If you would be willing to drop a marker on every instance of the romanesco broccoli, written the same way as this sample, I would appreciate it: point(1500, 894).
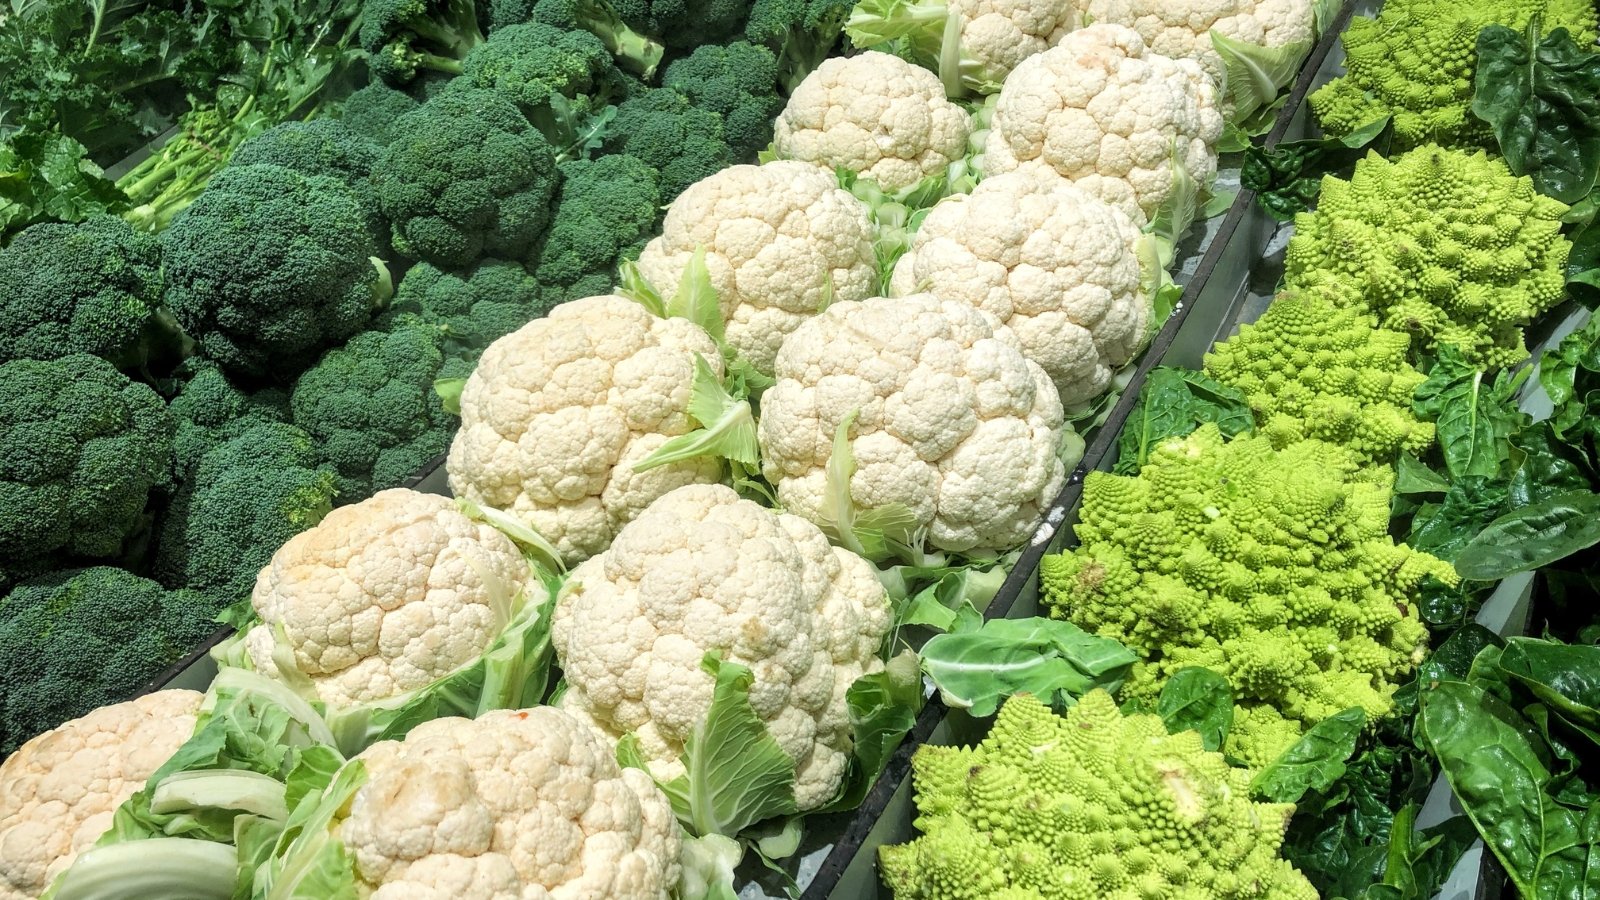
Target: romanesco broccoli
point(1311, 368)
point(1447, 246)
point(1091, 805)
point(1273, 568)
point(1416, 61)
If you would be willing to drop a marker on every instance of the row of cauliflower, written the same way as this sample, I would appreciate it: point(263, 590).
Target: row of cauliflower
point(605, 437)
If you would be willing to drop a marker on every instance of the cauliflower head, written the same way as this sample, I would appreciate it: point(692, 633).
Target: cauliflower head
point(516, 803)
point(781, 242)
point(1444, 245)
point(951, 420)
point(702, 570)
point(876, 115)
point(59, 791)
point(1053, 262)
point(1273, 568)
point(385, 597)
point(557, 414)
point(1417, 62)
point(1125, 123)
point(1093, 804)
point(1312, 369)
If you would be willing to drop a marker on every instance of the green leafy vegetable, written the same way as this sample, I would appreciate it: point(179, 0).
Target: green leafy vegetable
point(1475, 413)
point(1541, 95)
point(1053, 660)
point(1287, 176)
point(1315, 761)
point(1198, 699)
point(1532, 537)
point(1173, 403)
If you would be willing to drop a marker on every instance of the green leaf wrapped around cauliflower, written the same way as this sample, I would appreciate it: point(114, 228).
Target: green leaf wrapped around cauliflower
point(943, 418)
point(1273, 568)
point(704, 572)
point(781, 242)
point(1444, 245)
point(59, 791)
point(1251, 49)
point(875, 115)
point(558, 414)
point(1135, 128)
point(1093, 804)
point(516, 803)
point(1312, 369)
point(973, 45)
point(388, 608)
point(1057, 265)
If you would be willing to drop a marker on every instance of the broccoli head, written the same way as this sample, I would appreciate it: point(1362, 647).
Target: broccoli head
point(471, 309)
point(632, 50)
point(468, 178)
point(269, 266)
point(92, 287)
point(608, 208)
point(1273, 568)
point(327, 147)
point(802, 33)
point(210, 410)
point(247, 496)
point(737, 81)
point(74, 640)
point(81, 446)
point(1446, 246)
point(404, 37)
point(1311, 368)
point(1093, 804)
point(372, 407)
point(685, 24)
point(373, 111)
point(561, 79)
point(671, 135)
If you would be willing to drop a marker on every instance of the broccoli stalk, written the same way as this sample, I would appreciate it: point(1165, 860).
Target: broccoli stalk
point(404, 37)
point(635, 52)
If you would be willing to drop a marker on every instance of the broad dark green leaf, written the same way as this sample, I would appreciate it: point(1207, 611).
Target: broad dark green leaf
point(1198, 699)
point(1287, 177)
point(1173, 403)
point(1315, 761)
point(1565, 677)
point(1452, 660)
point(1541, 95)
point(1412, 477)
point(1447, 527)
point(1533, 537)
point(1475, 414)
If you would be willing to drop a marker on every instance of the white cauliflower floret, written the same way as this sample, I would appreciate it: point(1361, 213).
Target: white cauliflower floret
point(954, 423)
point(876, 115)
point(558, 413)
point(1054, 263)
point(997, 35)
point(1113, 117)
point(702, 570)
point(58, 792)
point(781, 241)
point(514, 804)
point(385, 597)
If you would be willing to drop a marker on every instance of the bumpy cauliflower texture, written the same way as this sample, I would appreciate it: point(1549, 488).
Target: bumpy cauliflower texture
point(952, 421)
point(1416, 62)
point(516, 803)
point(558, 413)
point(1054, 263)
point(1446, 246)
point(1273, 568)
point(702, 570)
point(997, 35)
point(781, 242)
point(385, 597)
point(1106, 112)
point(876, 115)
point(58, 793)
point(1311, 368)
point(1091, 805)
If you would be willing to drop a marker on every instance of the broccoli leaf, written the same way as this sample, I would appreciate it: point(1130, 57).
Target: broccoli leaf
point(1054, 660)
point(1199, 700)
point(47, 177)
point(1173, 403)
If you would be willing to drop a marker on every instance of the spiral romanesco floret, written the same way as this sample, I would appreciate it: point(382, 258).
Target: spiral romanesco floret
point(1416, 62)
point(1273, 568)
point(1447, 246)
point(1313, 369)
point(1093, 805)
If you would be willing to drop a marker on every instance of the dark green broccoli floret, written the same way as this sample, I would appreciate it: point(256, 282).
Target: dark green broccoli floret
point(374, 110)
point(608, 208)
point(468, 178)
point(633, 51)
point(470, 308)
point(402, 37)
point(685, 23)
point(738, 82)
point(74, 640)
point(321, 147)
point(562, 79)
point(269, 266)
point(92, 287)
point(81, 446)
point(247, 497)
point(210, 410)
point(801, 32)
point(372, 408)
point(668, 133)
